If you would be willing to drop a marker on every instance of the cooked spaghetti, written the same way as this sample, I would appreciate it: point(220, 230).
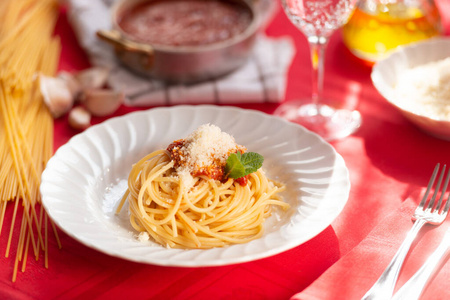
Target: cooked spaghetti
point(182, 197)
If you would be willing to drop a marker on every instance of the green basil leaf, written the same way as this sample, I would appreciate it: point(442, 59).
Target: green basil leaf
point(252, 162)
point(239, 165)
point(234, 168)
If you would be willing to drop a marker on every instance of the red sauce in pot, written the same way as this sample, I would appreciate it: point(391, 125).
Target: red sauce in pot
point(185, 22)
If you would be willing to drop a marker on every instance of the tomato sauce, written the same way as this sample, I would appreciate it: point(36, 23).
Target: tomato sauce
point(242, 180)
point(213, 171)
point(185, 22)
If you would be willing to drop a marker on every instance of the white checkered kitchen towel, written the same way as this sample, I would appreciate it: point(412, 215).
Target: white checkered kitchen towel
point(261, 79)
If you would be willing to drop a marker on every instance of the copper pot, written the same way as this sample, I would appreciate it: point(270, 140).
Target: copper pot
point(184, 64)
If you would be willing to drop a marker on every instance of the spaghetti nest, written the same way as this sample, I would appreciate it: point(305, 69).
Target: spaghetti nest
point(209, 214)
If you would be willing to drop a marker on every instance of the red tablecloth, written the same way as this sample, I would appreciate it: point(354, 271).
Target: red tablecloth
point(388, 158)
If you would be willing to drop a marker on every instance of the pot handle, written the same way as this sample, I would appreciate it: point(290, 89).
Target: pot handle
point(123, 45)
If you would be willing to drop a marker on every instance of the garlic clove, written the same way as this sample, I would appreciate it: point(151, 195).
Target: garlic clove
point(79, 118)
point(72, 83)
point(93, 78)
point(102, 102)
point(56, 94)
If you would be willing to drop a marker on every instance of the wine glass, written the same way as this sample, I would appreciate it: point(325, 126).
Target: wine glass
point(318, 19)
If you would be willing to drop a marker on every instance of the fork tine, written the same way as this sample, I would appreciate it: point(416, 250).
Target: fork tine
point(430, 184)
point(447, 205)
point(436, 190)
point(444, 189)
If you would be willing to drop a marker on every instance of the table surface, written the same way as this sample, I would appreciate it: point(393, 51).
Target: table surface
point(388, 158)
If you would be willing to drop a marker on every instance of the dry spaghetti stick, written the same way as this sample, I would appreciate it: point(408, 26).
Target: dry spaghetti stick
point(13, 144)
point(27, 151)
point(11, 230)
point(56, 234)
point(16, 75)
point(19, 250)
point(16, 265)
point(22, 237)
point(26, 216)
point(2, 213)
point(46, 243)
point(28, 156)
point(14, 30)
point(24, 262)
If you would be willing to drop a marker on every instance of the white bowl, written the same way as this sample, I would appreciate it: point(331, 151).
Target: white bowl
point(385, 75)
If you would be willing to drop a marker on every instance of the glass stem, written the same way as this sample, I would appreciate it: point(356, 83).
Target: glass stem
point(317, 46)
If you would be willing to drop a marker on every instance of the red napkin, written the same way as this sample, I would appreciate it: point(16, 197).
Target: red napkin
point(357, 271)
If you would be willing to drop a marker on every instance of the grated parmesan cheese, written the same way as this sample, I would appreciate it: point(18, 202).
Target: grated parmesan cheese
point(205, 151)
point(186, 177)
point(207, 145)
point(425, 90)
point(143, 237)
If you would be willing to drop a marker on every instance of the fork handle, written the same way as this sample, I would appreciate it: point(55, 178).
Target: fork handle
point(413, 288)
point(384, 287)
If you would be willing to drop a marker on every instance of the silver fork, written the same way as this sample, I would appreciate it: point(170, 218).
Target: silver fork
point(430, 214)
point(413, 288)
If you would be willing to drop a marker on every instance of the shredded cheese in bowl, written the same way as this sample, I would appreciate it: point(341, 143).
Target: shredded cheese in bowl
point(425, 90)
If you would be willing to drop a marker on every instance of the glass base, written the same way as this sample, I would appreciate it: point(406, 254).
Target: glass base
point(329, 123)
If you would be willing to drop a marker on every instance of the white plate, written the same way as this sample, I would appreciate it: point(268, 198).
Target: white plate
point(85, 179)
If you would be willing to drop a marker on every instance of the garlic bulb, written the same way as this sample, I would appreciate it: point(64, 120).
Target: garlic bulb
point(72, 83)
point(57, 95)
point(93, 78)
point(102, 102)
point(79, 118)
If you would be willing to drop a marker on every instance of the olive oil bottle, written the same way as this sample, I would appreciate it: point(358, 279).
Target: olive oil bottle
point(378, 26)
